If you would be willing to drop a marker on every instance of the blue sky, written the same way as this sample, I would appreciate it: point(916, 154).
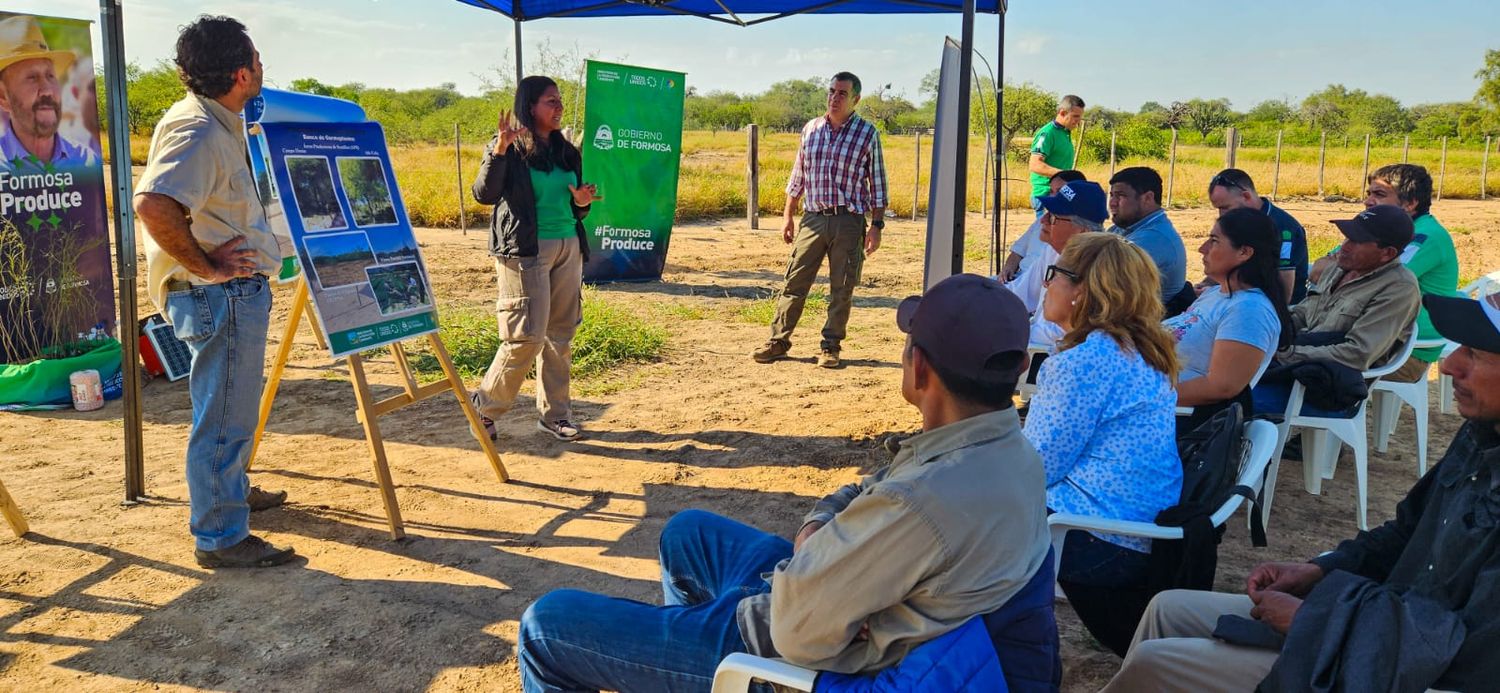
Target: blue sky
point(1118, 54)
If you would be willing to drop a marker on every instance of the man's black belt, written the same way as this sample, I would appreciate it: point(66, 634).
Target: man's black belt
point(834, 211)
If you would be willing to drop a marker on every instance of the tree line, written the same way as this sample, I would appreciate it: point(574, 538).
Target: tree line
point(429, 114)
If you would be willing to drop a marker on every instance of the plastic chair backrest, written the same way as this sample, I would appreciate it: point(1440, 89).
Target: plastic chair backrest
point(1399, 359)
point(1024, 633)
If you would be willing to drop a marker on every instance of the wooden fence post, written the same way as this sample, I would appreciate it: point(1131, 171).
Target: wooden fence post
point(1322, 157)
point(1484, 169)
point(916, 181)
point(458, 164)
point(1442, 168)
point(752, 175)
point(1171, 169)
point(1366, 175)
point(1276, 173)
point(1230, 145)
point(1406, 149)
point(1111, 153)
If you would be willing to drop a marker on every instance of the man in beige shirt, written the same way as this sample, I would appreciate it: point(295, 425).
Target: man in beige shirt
point(209, 250)
point(952, 528)
point(1357, 315)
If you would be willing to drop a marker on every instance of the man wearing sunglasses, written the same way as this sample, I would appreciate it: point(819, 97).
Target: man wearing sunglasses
point(1078, 207)
point(1027, 283)
point(1233, 189)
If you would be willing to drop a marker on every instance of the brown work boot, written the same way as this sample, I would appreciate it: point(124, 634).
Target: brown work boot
point(260, 499)
point(773, 350)
point(251, 552)
point(829, 358)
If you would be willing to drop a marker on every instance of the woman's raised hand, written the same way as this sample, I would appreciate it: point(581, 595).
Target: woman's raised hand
point(507, 131)
point(585, 195)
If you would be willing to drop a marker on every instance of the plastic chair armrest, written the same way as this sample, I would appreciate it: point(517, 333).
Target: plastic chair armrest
point(737, 670)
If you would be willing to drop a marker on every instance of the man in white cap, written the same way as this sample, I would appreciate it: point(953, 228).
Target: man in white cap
point(31, 96)
point(1410, 605)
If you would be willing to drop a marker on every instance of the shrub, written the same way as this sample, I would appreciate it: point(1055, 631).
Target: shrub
point(609, 336)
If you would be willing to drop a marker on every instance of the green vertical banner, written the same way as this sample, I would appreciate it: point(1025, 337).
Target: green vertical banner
point(632, 144)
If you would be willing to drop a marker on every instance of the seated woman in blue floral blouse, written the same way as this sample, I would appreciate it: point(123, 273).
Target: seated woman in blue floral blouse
point(1102, 417)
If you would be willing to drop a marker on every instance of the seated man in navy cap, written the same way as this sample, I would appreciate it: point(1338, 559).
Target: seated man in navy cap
point(1360, 313)
point(1408, 606)
point(951, 528)
point(1077, 207)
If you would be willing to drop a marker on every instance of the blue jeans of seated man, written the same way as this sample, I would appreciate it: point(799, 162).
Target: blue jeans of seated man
point(1271, 398)
point(578, 641)
point(224, 326)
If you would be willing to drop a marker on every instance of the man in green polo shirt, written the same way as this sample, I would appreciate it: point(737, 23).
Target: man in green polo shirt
point(1430, 255)
point(1052, 147)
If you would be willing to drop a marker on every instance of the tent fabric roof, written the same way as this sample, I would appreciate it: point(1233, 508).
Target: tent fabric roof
point(742, 12)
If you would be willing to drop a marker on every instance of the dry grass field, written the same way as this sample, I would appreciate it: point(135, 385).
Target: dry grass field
point(102, 597)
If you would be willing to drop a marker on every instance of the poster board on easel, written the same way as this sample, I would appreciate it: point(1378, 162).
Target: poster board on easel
point(360, 278)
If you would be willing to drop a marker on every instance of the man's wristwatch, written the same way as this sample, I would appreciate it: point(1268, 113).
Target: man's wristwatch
point(877, 223)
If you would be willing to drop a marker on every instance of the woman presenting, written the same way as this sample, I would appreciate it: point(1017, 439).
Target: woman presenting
point(534, 178)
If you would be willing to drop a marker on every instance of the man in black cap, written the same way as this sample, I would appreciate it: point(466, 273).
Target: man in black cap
point(953, 527)
point(1361, 312)
point(1410, 605)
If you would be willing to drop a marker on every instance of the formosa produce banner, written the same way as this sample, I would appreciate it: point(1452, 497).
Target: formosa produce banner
point(632, 128)
point(56, 292)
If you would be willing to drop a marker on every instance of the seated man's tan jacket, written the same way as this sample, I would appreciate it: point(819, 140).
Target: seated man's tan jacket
point(952, 528)
point(1375, 312)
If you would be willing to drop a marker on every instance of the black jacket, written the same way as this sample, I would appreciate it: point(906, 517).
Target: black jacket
point(1411, 604)
point(1331, 385)
point(505, 182)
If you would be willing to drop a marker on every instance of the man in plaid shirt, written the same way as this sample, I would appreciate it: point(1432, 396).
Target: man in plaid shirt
point(840, 172)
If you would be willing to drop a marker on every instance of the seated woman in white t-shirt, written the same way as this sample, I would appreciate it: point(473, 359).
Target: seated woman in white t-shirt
point(1230, 333)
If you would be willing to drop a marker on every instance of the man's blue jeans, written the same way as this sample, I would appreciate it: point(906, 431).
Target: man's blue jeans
point(224, 326)
point(579, 641)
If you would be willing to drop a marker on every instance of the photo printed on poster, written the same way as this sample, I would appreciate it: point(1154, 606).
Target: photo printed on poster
point(340, 202)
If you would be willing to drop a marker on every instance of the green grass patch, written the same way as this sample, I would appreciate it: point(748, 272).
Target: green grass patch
point(762, 311)
point(683, 311)
point(609, 336)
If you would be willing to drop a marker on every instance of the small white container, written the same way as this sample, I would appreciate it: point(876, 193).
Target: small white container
point(88, 392)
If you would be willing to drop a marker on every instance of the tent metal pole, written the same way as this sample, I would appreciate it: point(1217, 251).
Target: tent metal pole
point(519, 72)
point(111, 28)
point(996, 231)
point(961, 179)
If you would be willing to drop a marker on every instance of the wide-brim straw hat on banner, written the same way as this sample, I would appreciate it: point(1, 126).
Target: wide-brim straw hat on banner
point(21, 39)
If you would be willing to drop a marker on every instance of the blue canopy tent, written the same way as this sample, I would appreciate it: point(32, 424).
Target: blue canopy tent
point(739, 12)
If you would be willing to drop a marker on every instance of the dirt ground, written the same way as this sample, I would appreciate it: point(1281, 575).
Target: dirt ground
point(106, 597)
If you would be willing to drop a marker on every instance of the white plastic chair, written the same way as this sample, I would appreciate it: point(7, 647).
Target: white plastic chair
point(1261, 438)
point(1388, 396)
point(1320, 452)
point(736, 671)
point(1027, 387)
